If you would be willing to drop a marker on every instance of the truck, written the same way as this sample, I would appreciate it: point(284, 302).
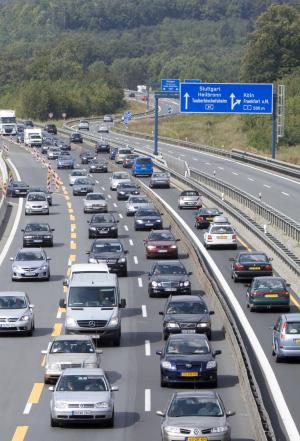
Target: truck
point(8, 123)
point(33, 137)
point(141, 88)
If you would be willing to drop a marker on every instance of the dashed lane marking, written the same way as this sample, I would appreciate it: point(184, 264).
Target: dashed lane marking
point(72, 259)
point(147, 348)
point(73, 236)
point(72, 218)
point(115, 205)
point(140, 282)
point(234, 173)
point(43, 362)
point(57, 328)
point(73, 227)
point(70, 210)
point(131, 242)
point(20, 433)
point(73, 245)
point(147, 400)
point(267, 186)
point(120, 215)
point(125, 228)
point(284, 193)
point(144, 311)
point(135, 259)
point(250, 179)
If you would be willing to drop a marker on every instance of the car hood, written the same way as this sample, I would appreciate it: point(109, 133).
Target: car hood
point(82, 185)
point(87, 313)
point(95, 202)
point(103, 225)
point(36, 203)
point(107, 255)
point(177, 358)
point(144, 218)
point(187, 318)
point(30, 263)
point(83, 397)
point(65, 160)
point(204, 422)
point(159, 243)
point(118, 181)
point(139, 204)
point(7, 313)
point(38, 233)
point(170, 278)
point(72, 358)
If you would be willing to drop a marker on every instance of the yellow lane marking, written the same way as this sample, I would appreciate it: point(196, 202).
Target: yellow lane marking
point(36, 393)
point(66, 192)
point(68, 271)
point(295, 301)
point(72, 258)
point(73, 236)
point(67, 198)
point(69, 204)
point(73, 226)
point(56, 329)
point(20, 433)
point(43, 361)
point(72, 218)
point(70, 210)
point(73, 245)
point(65, 289)
point(244, 244)
point(62, 310)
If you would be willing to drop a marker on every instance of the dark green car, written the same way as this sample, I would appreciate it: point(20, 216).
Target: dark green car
point(268, 293)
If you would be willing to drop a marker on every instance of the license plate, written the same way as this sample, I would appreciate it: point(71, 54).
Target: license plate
point(29, 274)
point(196, 438)
point(162, 251)
point(188, 331)
point(189, 374)
point(6, 325)
point(209, 218)
point(38, 241)
point(271, 295)
point(150, 224)
point(254, 268)
point(222, 237)
point(170, 289)
point(81, 412)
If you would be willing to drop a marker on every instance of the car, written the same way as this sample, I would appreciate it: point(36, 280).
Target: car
point(161, 243)
point(268, 293)
point(95, 203)
point(103, 225)
point(108, 118)
point(51, 128)
point(204, 217)
point(188, 359)
point(78, 389)
point(125, 189)
point(37, 234)
point(77, 173)
point(98, 166)
point(103, 129)
point(221, 235)
point(134, 203)
point(83, 186)
point(36, 203)
point(129, 160)
point(53, 152)
point(69, 351)
point(121, 154)
point(102, 147)
point(16, 313)
point(65, 161)
point(110, 251)
point(30, 264)
point(286, 337)
point(189, 199)
point(148, 219)
point(28, 124)
point(249, 264)
point(46, 144)
point(64, 146)
point(160, 180)
point(83, 125)
point(186, 314)
point(87, 156)
point(168, 277)
point(195, 414)
point(131, 95)
point(76, 138)
point(17, 189)
point(113, 152)
point(20, 127)
point(118, 178)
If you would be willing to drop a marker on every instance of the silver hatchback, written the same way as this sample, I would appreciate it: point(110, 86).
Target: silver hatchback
point(189, 199)
point(286, 337)
point(30, 263)
point(82, 395)
point(16, 314)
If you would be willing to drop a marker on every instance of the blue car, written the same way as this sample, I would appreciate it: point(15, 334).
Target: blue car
point(142, 166)
point(65, 161)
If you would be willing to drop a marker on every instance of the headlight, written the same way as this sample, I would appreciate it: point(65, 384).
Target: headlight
point(151, 247)
point(186, 283)
point(173, 247)
point(219, 429)
point(121, 192)
point(202, 325)
point(139, 221)
point(113, 227)
point(158, 220)
point(44, 268)
point(24, 318)
point(28, 237)
point(70, 321)
point(211, 364)
point(173, 325)
point(53, 366)
point(168, 365)
point(47, 237)
point(172, 429)
point(92, 260)
point(102, 405)
point(17, 268)
point(27, 205)
point(154, 283)
point(61, 405)
point(93, 228)
point(121, 260)
point(114, 321)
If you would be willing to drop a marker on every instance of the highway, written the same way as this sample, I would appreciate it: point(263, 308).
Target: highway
point(134, 367)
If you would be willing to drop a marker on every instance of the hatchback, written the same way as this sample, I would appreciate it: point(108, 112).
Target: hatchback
point(16, 313)
point(189, 199)
point(286, 337)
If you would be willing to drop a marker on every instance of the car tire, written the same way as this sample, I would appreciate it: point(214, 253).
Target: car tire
point(53, 422)
point(197, 225)
point(252, 308)
point(165, 336)
point(90, 236)
point(278, 358)
point(214, 383)
point(163, 383)
point(235, 278)
point(47, 278)
point(115, 235)
point(124, 273)
point(208, 334)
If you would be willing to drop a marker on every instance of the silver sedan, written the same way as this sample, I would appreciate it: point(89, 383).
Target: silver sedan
point(95, 203)
point(16, 314)
point(82, 395)
point(30, 263)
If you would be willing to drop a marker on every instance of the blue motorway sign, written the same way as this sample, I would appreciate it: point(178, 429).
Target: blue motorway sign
point(170, 85)
point(226, 98)
point(193, 81)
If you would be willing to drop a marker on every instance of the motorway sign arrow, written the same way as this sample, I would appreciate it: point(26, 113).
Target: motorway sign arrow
point(186, 96)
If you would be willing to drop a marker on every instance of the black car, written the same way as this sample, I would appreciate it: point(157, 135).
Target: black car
point(188, 359)
point(97, 166)
point(87, 156)
point(204, 216)
point(103, 225)
point(102, 147)
point(168, 277)
point(249, 264)
point(42, 190)
point(112, 253)
point(124, 190)
point(51, 128)
point(186, 314)
point(17, 189)
point(37, 235)
point(113, 152)
point(76, 137)
point(147, 219)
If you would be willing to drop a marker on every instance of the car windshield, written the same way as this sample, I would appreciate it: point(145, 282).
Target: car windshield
point(76, 135)
point(187, 308)
point(106, 248)
point(91, 296)
point(144, 161)
point(36, 197)
point(13, 302)
point(124, 151)
point(95, 196)
point(139, 200)
point(29, 255)
point(82, 182)
point(209, 211)
point(126, 186)
point(37, 227)
point(72, 346)
point(222, 230)
point(120, 176)
point(165, 268)
point(20, 184)
point(195, 406)
point(253, 258)
point(102, 219)
point(80, 383)
point(88, 153)
point(187, 347)
point(269, 284)
point(38, 190)
point(165, 235)
point(190, 193)
point(78, 173)
point(293, 328)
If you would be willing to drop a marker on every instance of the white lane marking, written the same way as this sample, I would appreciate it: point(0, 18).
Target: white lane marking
point(250, 179)
point(58, 315)
point(285, 194)
point(234, 173)
point(17, 219)
point(125, 228)
point(182, 155)
point(140, 282)
point(27, 409)
point(195, 159)
point(267, 186)
point(221, 168)
point(102, 188)
point(207, 163)
point(135, 259)
point(97, 182)
point(131, 242)
point(144, 311)
point(147, 400)
point(147, 348)
point(109, 196)
point(120, 216)
point(115, 205)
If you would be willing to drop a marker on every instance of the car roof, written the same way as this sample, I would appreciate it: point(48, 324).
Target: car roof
point(73, 337)
point(31, 249)
point(187, 336)
point(269, 278)
point(187, 298)
point(293, 316)
point(83, 371)
point(12, 293)
point(93, 279)
point(87, 267)
point(198, 393)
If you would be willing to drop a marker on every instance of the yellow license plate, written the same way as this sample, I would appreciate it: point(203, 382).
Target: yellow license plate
point(297, 340)
point(196, 438)
point(222, 237)
point(271, 295)
point(209, 218)
point(254, 268)
point(189, 374)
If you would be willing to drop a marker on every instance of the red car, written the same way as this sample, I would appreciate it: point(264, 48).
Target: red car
point(161, 243)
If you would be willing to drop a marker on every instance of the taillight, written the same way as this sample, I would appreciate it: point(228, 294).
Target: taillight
point(238, 266)
point(269, 267)
point(209, 237)
point(234, 237)
point(199, 218)
point(282, 335)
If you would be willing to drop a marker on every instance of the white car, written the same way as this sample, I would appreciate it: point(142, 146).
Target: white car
point(136, 202)
point(222, 235)
point(103, 129)
point(78, 173)
point(107, 118)
point(118, 178)
point(36, 203)
point(83, 125)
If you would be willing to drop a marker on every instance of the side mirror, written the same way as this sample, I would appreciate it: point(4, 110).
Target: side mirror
point(217, 352)
point(44, 352)
point(99, 351)
point(65, 282)
point(211, 312)
point(51, 388)
point(230, 413)
point(158, 352)
point(161, 313)
point(114, 388)
point(160, 413)
point(125, 251)
point(48, 258)
point(12, 259)
point(190, 273)
point(62, 303)
point(123, 303)
point(22, 229)
point(87, 252)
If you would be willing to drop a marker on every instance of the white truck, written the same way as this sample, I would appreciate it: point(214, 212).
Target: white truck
point(8, 123)
point(33, 137)
point(141, 88)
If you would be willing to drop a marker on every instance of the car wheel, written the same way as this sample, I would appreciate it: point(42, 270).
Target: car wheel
point(165, 336)
point(252, 308)
point(47, 278)
point(197, 225)
point(151, 294)
point(29, 333)
point(214, 383)
point(163, 383)
point(115, 235)
point(235, 278)
point(53, 422)
point(124, 273)
point(278, 358)
point(208, 335)
point(51, 244)
point(90, 236)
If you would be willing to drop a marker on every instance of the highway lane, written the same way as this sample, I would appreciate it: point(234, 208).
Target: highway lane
point(128, 366)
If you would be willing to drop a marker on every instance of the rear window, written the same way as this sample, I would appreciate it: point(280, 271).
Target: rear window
point(124, 151)
point(190, 193)
point(222, 230)
point(293, 328)
point(143, 161)
point(253, 258)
